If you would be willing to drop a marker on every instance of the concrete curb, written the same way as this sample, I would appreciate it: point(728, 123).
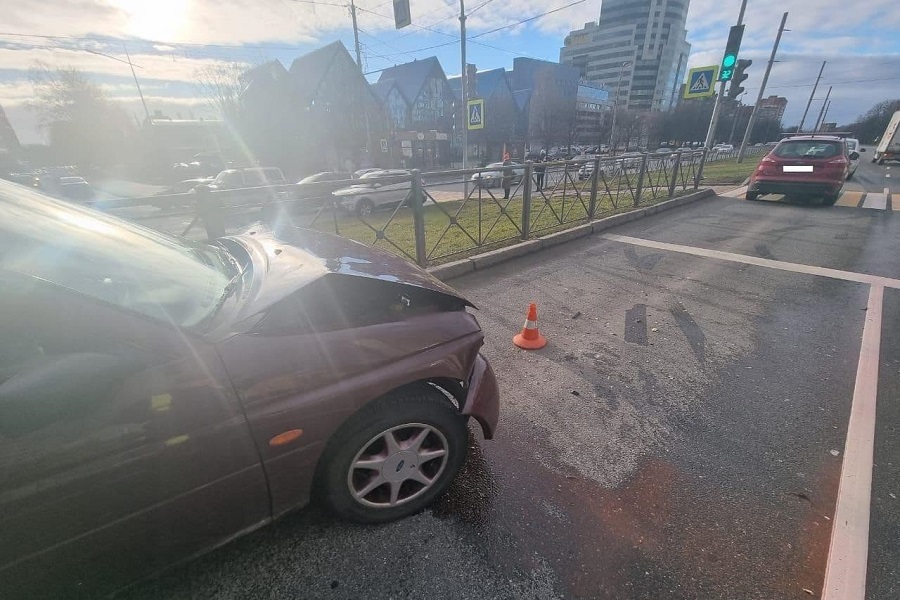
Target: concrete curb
point(485, 260)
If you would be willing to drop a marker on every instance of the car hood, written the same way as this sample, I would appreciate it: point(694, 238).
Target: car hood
point(287, 259)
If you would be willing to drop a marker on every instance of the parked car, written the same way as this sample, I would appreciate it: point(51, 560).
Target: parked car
point(70, 187)
point(586, 171)
point(232, 179)
point(375, 189)
point(257, 182)
point(853, 146)
point(358, 174)
point(492, 176)
point(803, 166)
point(160, 397)
point(723, 148)
point(183, 187)
point(316, 189)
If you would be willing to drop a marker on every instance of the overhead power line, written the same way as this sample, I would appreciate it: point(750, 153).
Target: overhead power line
point(529, 19)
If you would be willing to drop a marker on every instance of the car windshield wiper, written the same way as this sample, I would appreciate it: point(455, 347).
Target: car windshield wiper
point(233, 283)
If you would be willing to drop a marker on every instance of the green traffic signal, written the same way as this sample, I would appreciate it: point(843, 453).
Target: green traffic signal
point(729, 59)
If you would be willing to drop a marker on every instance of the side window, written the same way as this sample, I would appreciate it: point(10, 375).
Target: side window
point(272, 176)
point(253, 178)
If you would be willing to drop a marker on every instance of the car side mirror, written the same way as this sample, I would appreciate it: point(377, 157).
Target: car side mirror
point(854, 155)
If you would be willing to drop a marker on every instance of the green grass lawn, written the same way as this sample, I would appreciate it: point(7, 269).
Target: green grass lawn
point(460, 228)
point(722, 172)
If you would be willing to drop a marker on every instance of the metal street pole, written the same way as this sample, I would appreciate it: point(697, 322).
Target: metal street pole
point(822, 112)
point(612, 131)
point(464, 93)
point(734, 120)
point(815, 86)
point(359, 64)
point(140, 93)
point(714, 121)
point(762, 90)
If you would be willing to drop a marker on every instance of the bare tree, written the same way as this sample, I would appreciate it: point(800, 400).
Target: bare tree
point(221, 84)
point(85, 126)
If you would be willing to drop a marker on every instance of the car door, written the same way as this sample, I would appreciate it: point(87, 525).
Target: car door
point(122, 446)
point(392, 192)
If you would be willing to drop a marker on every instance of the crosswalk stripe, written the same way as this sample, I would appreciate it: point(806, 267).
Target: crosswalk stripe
point(849, 199)
point(876, 201)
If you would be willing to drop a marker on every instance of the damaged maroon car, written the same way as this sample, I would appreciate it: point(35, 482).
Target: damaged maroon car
point(159, 397)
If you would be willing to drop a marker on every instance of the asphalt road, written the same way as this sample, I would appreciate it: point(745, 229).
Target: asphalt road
point(681, 436)
point(872, 177)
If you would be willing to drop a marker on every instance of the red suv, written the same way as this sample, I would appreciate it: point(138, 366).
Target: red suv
point(803, 166)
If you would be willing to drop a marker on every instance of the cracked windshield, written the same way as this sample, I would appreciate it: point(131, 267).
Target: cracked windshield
point(449, 299)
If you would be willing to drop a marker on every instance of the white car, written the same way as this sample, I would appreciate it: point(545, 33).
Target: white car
point(492, 176)
point(375, 188)
point(853, 146)
point(723, 148)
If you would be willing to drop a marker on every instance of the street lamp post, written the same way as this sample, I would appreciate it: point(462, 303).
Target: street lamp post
point(612, 131)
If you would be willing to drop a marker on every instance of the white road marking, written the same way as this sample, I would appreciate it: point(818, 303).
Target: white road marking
point(887, 175)
point(876, 200)
point(845, 574)
point(759, 262)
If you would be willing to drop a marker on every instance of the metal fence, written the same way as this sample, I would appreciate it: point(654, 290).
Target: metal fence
point(434, 217)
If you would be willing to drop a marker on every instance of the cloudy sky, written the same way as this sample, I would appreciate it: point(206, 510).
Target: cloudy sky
point(170, 40)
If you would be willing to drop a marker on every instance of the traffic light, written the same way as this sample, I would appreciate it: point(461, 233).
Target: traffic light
point(736, 89)
point(726, 71)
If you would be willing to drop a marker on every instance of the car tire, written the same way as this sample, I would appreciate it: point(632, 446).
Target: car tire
point(830, 199)
point(364, 207)
point(752, 196)
point(415, 419)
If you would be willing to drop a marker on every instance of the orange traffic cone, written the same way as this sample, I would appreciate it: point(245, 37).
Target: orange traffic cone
point(530, 338)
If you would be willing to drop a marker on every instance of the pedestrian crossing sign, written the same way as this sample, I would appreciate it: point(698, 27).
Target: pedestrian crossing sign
point(701, 82)
point(475, 114)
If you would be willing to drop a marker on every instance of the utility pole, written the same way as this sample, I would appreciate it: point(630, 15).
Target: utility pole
point(714, 121)
point(824, 116)
point(820, 120)
point(762, 90)
point(815, 86)
point(133, 74)
point(365, 103)
point(464, 91)
point(734, 121)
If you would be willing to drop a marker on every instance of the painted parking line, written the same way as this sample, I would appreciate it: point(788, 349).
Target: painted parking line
point(850, 199)
point(780, 265)
point(876, 200)
point(845, 573)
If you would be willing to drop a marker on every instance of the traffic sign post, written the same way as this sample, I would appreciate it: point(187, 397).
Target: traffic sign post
point(701, 82)
point(475, 114)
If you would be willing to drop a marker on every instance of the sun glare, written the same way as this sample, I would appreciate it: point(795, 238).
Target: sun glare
point(162, 20)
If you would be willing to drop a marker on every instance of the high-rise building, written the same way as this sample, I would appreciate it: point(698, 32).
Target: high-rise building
point(772, 107)
point(638, 50)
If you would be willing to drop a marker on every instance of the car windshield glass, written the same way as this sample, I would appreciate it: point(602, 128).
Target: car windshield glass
point(808, 149)
point(138, 269)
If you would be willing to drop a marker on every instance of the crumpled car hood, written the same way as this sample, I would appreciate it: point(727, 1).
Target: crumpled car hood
point(288, 258)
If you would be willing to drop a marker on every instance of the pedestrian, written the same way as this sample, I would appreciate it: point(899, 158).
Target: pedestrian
point(539, 169)
point(507, 178)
